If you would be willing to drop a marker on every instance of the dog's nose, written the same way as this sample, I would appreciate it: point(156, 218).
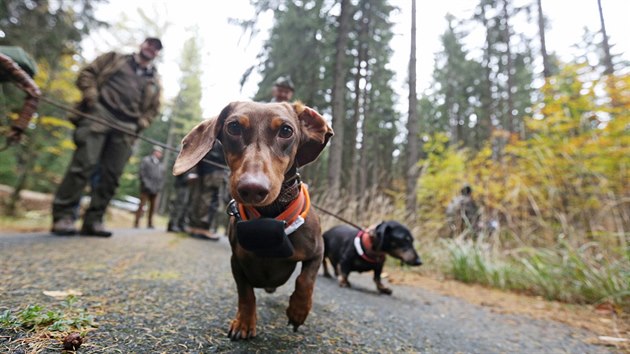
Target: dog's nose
point(252, 191)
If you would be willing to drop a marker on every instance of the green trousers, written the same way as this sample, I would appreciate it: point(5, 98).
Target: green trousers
point(101, 149)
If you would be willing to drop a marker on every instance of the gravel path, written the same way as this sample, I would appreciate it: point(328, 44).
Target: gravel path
point(153, 292)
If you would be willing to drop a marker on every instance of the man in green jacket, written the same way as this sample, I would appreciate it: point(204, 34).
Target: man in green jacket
point(122, 90)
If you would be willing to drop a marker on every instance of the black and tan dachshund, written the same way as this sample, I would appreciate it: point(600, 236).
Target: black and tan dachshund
point(349, 249)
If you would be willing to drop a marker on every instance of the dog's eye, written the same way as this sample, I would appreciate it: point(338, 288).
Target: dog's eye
point(234, 128)
point(285, 132)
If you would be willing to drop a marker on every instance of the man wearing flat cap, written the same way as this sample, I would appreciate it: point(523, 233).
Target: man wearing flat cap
point(151, 175)
point(123, 91)
point(282, 90)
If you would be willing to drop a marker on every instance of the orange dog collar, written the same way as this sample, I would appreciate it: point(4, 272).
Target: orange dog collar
point(293, 216)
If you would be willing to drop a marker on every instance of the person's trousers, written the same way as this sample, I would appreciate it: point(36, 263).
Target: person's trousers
point(99, 146)
point(146, 198)
point(205, 200)
point(179, 206)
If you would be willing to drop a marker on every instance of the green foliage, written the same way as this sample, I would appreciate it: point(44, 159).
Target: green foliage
point(570, 178)
point(36, 317)
point(562, 273)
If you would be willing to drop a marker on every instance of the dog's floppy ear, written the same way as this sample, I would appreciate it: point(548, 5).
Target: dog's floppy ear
point(315, 134)
point(383, 228)
point(199, 141)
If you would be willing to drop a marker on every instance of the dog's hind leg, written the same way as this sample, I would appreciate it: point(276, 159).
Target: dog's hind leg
point(325, 265)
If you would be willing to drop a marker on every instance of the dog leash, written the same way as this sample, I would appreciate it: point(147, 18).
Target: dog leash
point(338, 217)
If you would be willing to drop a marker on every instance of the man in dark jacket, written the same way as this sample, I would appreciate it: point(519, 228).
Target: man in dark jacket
point(124, 91)
point(151, 175)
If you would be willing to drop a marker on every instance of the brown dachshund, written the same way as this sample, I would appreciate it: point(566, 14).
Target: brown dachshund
point(272, 227)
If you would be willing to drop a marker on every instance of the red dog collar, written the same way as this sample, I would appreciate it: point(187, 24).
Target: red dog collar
point(363, 245)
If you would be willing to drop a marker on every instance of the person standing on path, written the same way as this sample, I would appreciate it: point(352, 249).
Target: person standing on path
point(151, 179)
point(123, 90)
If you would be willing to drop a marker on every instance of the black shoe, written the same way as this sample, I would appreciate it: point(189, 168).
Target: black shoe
point(96, 229)
point(173, 228)
point(64, 227)
point(204, 237)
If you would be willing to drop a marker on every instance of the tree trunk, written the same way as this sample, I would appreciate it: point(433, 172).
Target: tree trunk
point(543, 45)
point(511, 124)
point(485, 121)
point(608, 64)
point(165, 194)
point(338, 95)
point(362, 69)
point(25, 160)
point(412, 122)
point(366, 146)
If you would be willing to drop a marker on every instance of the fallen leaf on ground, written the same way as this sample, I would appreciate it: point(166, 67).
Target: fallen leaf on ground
point(612, 339)
point(62, 293)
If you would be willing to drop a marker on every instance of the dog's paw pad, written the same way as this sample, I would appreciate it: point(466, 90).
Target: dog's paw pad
point(239, 330)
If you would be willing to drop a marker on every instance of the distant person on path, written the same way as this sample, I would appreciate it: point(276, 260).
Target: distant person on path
point(123, 90)
point(151, 175)
point(205, 193)
point(282, 90)
point(19, 67)
point(462, 213)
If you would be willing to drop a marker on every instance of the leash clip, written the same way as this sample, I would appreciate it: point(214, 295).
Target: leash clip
point(232, 210)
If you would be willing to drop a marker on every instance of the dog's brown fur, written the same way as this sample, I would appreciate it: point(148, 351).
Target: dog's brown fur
point(259, 153)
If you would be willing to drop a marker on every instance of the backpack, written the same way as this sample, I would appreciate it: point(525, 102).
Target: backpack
point(21, 58)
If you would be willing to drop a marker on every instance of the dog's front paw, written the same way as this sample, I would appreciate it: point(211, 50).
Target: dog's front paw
point(242, 328)
point(298, 311)
point(343, 282)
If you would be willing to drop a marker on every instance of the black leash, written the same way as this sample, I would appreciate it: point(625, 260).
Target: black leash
point(337, 216)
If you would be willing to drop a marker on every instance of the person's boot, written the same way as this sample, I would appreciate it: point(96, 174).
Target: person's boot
point(96, 229)
point(199, 233)
point(64, 227)
point(173, 228)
